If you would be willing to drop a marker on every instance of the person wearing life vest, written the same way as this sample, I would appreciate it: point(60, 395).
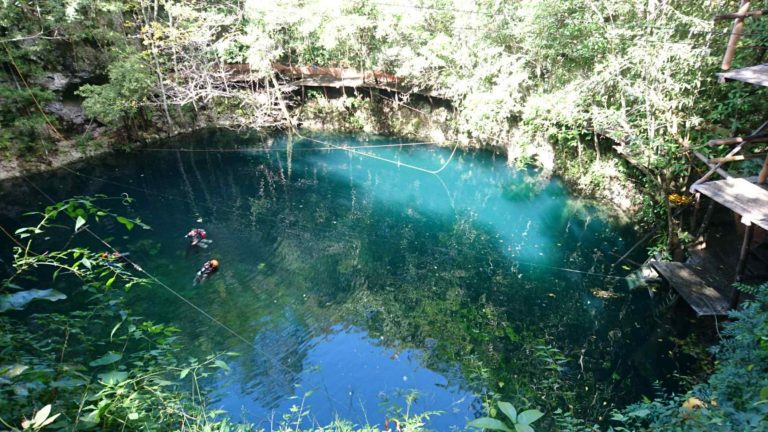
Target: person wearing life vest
point(196, 236)
point(208, 268)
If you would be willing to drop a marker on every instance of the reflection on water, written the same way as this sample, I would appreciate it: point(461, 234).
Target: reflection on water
point(356, 279)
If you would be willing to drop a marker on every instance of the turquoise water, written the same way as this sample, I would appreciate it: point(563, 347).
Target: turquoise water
point(356, 280)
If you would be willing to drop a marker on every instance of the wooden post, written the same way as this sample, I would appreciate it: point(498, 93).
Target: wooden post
point(742, 265)
point(738, 26)
point(695, 213)
point(707, 218)
point(763, 173)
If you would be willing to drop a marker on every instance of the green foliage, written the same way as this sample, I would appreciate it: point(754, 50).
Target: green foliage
point(90, 376)
point(734, 397)
point(122, 99)
point(23, 135)
point(519, 422)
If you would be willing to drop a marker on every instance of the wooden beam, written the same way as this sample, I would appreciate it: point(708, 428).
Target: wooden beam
point(738, 140)
point(713, 168)
point(736, 158)
point(738, 26)
point(757, 13)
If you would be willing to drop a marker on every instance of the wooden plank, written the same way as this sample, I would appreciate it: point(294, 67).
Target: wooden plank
point(757, 75)
point(704, 299)
point(746, 199)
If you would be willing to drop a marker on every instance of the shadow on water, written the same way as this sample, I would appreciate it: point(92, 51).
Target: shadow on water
point(356, 279)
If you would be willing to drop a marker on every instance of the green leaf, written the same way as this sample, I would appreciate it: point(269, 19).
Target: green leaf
point(127, 222)
point(184, 373)
point(19, 300)
point(91, 419)
point(640, 413)
point(509, 410)
point(111, 280)
point(522, 427)
point(529, 416)
point(79, 222)
point(86, 262)
point(489, 423)
point(114, 377)
point(133, 416)
point(106, 359)
point(222, 365)
point(764, 393)
point(114, 329)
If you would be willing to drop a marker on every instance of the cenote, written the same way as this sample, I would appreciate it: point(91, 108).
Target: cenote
point(357, 281)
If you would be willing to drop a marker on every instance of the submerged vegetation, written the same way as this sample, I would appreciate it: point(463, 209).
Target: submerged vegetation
point(98, 365)
point(614, 96)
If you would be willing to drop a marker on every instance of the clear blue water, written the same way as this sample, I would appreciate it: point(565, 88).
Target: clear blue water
point(357, 280)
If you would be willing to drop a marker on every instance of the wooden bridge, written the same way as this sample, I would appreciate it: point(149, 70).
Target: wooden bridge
point(338, 77)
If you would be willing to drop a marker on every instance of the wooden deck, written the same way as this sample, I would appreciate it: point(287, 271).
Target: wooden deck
point(698, 287)
point(740, 195)
point(754, 75)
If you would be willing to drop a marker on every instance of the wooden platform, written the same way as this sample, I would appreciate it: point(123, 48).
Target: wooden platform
point(754, 75)
point(695, 286)
point(740, 195)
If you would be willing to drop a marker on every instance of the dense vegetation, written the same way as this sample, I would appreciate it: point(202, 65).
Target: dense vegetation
point(622, 91)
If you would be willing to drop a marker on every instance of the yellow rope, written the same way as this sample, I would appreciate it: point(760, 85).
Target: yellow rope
point(18, 72)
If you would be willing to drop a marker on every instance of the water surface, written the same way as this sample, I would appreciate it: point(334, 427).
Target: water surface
point(356, 280)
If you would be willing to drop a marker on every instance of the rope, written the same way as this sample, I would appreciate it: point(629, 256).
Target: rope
point(383, 159)
point(29, 90)
point(570, 270)
point(258, 149)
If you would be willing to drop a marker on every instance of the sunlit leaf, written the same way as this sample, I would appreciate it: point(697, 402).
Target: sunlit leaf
point(522, 427)
point(509, 410)
point(42, 414)
point(106, 359)
point(79, 222)
point(489, 423)
point(529, 416)
point(114, 377)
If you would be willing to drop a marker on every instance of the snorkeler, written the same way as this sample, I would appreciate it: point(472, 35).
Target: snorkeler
point(116, 256)
point(197, 237)
point(208, 268)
